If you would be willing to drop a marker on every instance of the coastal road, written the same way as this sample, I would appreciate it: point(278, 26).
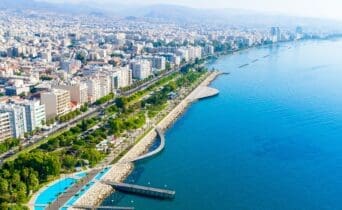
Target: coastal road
point(36, 139)
point(148, 83)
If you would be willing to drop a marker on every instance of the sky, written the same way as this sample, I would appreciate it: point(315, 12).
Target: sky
point(309, 8)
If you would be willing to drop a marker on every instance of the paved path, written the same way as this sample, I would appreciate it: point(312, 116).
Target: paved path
point(156, 151)
point(63, 198)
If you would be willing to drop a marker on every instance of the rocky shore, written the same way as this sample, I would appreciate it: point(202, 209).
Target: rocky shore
point(123, 168)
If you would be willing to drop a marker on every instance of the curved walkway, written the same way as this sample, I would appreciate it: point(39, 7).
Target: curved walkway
point(160, 133)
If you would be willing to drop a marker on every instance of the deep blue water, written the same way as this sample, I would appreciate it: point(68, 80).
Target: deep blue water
point(272, 139)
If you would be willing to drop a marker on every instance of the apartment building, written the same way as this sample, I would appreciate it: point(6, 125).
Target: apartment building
point(57, 102)
point(5, 126)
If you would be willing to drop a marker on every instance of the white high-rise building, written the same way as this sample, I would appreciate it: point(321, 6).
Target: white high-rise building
point(126, 76)
point(93, 86)
point(105, 85)
point(35, 114)
point(17, 118)
point(121, 77)
point(208, 50)
point(183, 53)
point(141, 69)
point(275, 34)
point(195, 52)
point(5, 126)
point(158, 62)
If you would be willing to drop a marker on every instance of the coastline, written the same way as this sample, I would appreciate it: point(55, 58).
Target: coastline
point(120, 170)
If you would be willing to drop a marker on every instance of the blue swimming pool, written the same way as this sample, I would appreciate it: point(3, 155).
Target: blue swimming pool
point(52, 191)
point(73, 199)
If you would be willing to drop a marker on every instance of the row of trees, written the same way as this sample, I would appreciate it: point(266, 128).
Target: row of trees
point(124, 123)
point(69, 116)
point(105, 99)
point(9, 144)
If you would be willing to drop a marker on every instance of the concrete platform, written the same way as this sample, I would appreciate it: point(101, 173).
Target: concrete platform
point(204, 92)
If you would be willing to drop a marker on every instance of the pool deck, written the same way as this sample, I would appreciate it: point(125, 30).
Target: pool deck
point(62, 199)
point(32, 204)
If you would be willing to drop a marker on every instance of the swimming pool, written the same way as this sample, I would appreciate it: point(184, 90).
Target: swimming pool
point(85, 188)
point(52, 191)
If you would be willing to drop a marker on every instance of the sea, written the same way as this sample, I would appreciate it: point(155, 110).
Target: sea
point(271, 140)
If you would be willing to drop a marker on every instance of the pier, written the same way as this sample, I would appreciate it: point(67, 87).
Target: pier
point(142, 190)
point(161, 135)
point(244, 65)
point(255, 60)
point(203, 92)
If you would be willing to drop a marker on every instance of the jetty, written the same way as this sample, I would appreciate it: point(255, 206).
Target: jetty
point(161, 136)
point(203, 92)
point(142, 190)
point(255, 60)
point(244, 65)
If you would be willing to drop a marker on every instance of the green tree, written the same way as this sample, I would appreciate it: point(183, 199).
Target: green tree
point(121, 102)
point(69, 161)
point(3, 186)
point(33, 182)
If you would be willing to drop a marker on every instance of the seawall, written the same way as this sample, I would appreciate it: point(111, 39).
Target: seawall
point(118, 173)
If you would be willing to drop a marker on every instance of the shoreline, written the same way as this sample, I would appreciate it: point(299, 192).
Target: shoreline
point(121, 170)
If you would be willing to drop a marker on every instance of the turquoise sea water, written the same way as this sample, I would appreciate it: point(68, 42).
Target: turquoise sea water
point(272, 139)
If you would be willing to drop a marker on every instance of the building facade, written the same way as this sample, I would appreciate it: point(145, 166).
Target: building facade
point(5, 126)
point(78, 92)
point(141, 69)
point(17, 118)
point(57, 102)
point(35, 114)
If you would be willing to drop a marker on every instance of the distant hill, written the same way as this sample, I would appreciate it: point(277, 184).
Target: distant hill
point(19, 4)
point(180, 14)
point(53, 7)
point(234, 17)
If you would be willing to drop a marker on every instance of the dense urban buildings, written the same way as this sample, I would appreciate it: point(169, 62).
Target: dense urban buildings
point(53, 64)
